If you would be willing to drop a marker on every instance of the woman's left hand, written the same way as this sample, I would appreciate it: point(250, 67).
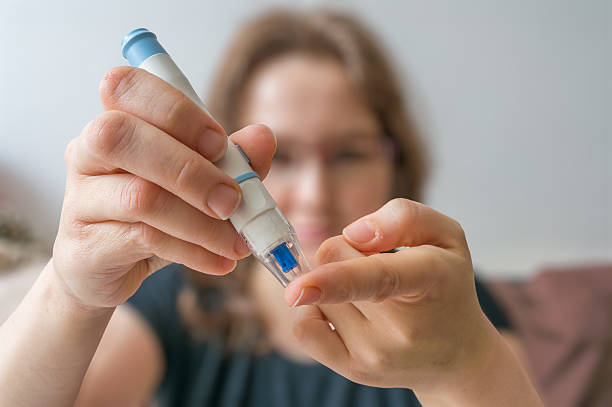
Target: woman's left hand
point(405, 319)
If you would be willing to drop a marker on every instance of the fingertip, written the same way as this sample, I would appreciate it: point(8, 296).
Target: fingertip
point(259, 144)
point(271, 132)
point(112, 80)
point(241, 248)
point(225, 265)
point(220, 267)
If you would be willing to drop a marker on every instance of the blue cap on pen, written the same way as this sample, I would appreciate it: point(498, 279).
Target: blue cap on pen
point(140, 44)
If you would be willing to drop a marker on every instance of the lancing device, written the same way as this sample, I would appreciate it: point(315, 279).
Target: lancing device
point(258, 219)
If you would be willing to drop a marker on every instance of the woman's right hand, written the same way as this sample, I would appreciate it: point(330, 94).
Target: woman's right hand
point(142, 191)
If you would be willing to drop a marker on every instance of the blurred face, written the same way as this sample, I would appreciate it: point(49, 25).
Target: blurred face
point(332, 164)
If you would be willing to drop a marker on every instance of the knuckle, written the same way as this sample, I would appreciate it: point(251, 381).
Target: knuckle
point(116, 83)
point(404, 209)
point(336, 293)
point(139, 197)
point(151, 238)
point(189, 172)
point(400, 204)
point(77, 241)
point(404, 337)
point(388, 283)
point(372, 362)
point(74, 228)
point(176, 112)
point(344, 294)
point(107, 134)
point(432, 261)
point(217, 232)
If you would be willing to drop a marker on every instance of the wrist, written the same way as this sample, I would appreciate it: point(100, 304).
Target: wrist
point(493, 376)
point(58, 292)
point(47, 344)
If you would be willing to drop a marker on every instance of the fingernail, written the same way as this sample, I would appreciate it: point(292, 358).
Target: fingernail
point(223, 200)
point(241, 248)
point(212, 145)
point(361, 231)
point(308, 295)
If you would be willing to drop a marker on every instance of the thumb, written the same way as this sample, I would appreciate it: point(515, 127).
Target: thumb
point(402, 222)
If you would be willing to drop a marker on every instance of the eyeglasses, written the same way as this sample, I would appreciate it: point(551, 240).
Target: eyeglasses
point(342, 162)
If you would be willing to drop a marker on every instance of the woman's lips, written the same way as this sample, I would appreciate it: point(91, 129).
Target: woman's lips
point(312, 235)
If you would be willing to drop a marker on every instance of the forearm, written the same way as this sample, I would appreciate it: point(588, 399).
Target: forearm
point(498, 379)
point(47, 345)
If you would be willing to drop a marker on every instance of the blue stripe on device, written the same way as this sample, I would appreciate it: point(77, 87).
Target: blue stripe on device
point(245, 176)
point(243, 154)
point(140, 44)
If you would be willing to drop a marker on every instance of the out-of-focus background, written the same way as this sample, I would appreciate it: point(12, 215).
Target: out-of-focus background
point(514, 97)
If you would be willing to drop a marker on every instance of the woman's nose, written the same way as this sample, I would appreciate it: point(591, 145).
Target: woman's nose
point(311, 185)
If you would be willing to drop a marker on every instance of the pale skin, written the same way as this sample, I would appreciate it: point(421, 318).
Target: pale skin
point(409, 319)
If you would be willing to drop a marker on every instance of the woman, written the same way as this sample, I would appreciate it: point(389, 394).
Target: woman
point(142, 192)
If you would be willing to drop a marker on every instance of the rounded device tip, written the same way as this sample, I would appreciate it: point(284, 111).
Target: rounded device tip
point(140, 44)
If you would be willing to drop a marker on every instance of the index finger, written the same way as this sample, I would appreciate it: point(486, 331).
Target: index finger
point(409, 273)
point(116, 140)
point(150, 98)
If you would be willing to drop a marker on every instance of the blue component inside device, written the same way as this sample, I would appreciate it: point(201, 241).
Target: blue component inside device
point(284, 257)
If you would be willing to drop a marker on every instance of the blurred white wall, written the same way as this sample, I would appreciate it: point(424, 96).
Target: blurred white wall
point(514, 95)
